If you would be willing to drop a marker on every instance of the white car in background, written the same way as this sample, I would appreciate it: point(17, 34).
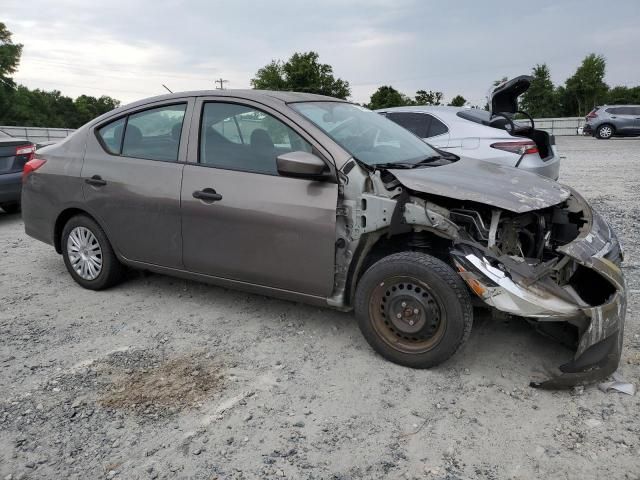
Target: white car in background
point(482, 135)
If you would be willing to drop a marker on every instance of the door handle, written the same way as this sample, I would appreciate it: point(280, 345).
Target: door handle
point(207, 195)
point(96, 181)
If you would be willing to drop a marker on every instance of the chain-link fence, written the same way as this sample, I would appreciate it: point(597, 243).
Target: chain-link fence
point(37, 134)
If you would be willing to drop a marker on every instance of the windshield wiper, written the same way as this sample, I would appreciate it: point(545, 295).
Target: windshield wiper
point(393, 165)
point(432, 158)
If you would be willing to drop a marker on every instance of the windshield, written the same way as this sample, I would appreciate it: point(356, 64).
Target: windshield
point(368, 136)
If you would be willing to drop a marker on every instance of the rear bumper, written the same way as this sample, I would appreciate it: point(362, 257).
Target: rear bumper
point(549, 168)
point(587, 129)
point(10, 187)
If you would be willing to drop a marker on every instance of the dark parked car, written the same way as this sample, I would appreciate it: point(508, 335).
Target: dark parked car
point(14, 153)
point(613, 121)
point(318, 200)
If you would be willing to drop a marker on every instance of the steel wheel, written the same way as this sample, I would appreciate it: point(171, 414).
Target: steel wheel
point(407, 314)
point(85, 253)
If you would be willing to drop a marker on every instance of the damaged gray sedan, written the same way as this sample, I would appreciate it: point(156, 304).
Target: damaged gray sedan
point(314, 199)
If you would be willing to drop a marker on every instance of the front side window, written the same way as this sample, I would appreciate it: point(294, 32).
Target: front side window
point(154, 134)
point(369, 137)
point(239, 137)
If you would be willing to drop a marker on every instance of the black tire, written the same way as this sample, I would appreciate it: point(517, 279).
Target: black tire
point(412, 283)
point(605, 131)
point(111, 271)
point(13, 207)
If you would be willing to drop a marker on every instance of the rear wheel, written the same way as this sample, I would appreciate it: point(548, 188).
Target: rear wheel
point(88, 255)
point(413, 309)
point(13, 207)
point(605, 132)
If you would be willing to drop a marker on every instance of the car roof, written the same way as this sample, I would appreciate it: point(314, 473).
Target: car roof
point(619, 105)
point(249, 94)
point(424, 108)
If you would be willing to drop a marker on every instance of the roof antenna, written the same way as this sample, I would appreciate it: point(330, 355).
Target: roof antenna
point(167, 88)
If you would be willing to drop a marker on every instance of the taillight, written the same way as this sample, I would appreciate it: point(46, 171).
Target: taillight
point(27, 150)
point(520, 148)
point(31, 166)
point(592, 114)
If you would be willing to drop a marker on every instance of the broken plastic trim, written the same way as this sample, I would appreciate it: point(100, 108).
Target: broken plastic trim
point(600, 327)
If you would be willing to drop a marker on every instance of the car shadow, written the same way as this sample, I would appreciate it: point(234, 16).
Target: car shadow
point(499, 344)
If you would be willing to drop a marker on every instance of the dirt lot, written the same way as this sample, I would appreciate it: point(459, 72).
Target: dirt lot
point(162, 378)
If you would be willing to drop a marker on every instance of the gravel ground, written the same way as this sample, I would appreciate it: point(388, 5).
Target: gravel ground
point(162, 378)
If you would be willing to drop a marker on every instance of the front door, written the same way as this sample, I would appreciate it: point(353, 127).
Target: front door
point(132, 178)
point(243, 221)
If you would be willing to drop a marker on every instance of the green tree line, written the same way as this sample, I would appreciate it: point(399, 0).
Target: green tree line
point(22, 106)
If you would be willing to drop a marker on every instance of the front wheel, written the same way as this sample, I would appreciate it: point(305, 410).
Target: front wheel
point(88, 255)
point(413, 309)
point(604, 132)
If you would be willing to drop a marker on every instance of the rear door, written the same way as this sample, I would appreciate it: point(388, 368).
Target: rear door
point(623, 119)
point(132, 174)
point(240, 219)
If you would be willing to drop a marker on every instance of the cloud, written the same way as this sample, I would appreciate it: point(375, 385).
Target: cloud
point(127, 49)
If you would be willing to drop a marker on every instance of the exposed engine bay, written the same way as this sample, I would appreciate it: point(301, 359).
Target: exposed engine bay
point(538, 253)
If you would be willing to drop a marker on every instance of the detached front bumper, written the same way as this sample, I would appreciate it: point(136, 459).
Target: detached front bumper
point(529, 291)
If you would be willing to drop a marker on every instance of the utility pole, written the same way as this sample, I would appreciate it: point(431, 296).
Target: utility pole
point(220, 81)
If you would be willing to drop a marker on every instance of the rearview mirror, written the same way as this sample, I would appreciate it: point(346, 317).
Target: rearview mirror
point(301, 165)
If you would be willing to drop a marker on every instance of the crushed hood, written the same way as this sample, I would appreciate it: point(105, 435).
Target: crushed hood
point(488, 183)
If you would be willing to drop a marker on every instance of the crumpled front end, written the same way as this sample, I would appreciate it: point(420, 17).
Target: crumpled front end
point(560, 266)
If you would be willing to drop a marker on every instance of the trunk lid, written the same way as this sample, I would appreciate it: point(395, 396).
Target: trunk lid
point(504, 98)
point(9, 162)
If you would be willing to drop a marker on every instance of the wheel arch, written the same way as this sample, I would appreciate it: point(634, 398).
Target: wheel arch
point(606, 124)
point(62, 220)
point(378, 245)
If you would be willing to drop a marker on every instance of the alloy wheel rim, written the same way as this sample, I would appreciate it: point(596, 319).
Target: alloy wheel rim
point(84, 252)
point(407, 314)
point(605, 132)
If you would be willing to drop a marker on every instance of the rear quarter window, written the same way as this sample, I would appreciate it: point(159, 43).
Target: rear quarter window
point(437, 128)
point(111, 136)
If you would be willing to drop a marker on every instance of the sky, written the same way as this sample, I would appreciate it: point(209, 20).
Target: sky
point(128, 49)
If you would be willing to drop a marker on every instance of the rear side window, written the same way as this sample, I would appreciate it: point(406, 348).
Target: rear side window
point(111, 136)
point(628, 111)
point(152, 134)
point(417, 123)
point(436, 128)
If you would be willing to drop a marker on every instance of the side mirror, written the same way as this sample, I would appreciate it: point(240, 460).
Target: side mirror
point(301, 165)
